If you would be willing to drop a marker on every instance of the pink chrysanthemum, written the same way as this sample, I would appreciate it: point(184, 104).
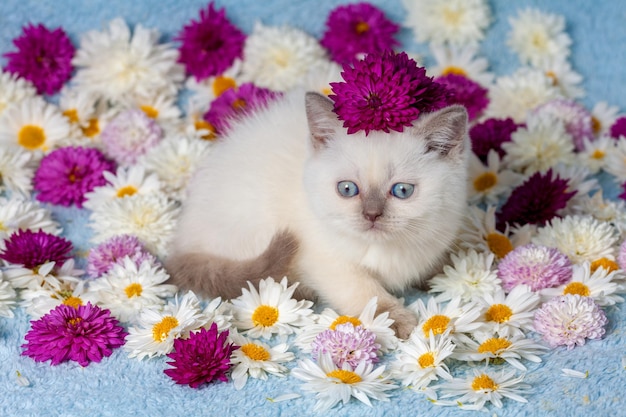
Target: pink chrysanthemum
point(465, 92)
point(347, 344)
point(358, 29)
point(113, 251)
point(32, 249)
point(575, 117)
point(237, 102)
point(568, 320)
point(491, 134)
point(65, 175)
point(537, 266)
point(385, 92)
point(44, 57)
point(202, 358)
point(618, 128)
point(536, 201)
point(211, 45)
point(85, 334)
point(130, 135)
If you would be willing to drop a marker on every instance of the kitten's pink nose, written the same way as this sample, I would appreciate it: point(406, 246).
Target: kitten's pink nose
point(372, 215)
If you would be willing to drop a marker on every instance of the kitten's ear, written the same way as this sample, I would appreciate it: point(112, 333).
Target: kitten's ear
point(445, 130)
point(322, 120)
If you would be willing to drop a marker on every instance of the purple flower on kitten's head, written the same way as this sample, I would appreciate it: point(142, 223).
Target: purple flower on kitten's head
point(466, 92)
point(113, 251)
point(32, 249)
point(491, 134)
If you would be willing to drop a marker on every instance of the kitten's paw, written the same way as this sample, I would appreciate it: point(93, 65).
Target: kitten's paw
point(404, 320)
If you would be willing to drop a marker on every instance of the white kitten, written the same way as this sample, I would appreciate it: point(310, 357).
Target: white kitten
point(289, 192)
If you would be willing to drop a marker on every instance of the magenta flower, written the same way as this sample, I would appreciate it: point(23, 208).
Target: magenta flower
point(358, 29)
point(385, 92)
point(32, 249)
point(202, 358)
point(575, 117)
point(44, 57)
point(568, 320)
point(536, 201)
point(465, 92)
point(130, 135)
point(346, 344)
point(113, 251)
point(210, 45)
point(538, 267)
point(491, 134)
point(65, 175)
point(85, 334)
point(237, 102)
point(618, 128)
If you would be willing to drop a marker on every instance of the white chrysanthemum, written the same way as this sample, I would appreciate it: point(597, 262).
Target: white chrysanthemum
point(514, 95)
point(457, 22)
point(540, 145)
point(509, 314)
point(379, 324)
point(461, 61)
point(125, 182)
point(126, 289)
point(510, 349)
point(564, 77)
point(152, 218)
point(34, 124)
point(581, 238)
point(602, 117)
point(604, 210)
point(208, 89)
point(318, 79)
point(38, 301)
point(218, 312)
point(16, 170)
point(332, 385)
point(8, 297)
point(279, 58)
point(270, 310)
point(20, 214)
point(13, 90)
point(256, 359)
point(174, 161)
point(113, 63)
point(157, 329)
point(491, 183)
point(44, 276)
point(594, 155)
point(537, 36)
point(580, 181)
point(616, 160)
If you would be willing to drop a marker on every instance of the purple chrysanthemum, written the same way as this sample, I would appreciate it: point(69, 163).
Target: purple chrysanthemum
point(113, 251)
point(32, 249)
point(358, 29)
point(385, 92)
point(491, 134)
point(621, 256)
point(537, 266)
point(236, 102)
point(618, 128)
point(575, 117)
point(465, 92)
point(536, 201)
point(347, 344)
point(211, 45)
point(130, 135)
point(44, 57)
point(85, 334)
point(202, 358)
point(568, 320)
point(65, 175)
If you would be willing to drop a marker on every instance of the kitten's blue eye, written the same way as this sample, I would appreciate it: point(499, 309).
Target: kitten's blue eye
point(402, 190)
point(347, 188)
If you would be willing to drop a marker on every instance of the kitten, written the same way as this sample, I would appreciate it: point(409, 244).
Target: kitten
point(289, 193)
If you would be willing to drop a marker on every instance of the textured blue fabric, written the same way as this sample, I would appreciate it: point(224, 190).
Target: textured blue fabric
point(122, 387)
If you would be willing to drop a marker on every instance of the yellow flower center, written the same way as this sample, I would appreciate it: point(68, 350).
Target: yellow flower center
point(256, 352)
point(31, 137)
point(483, 382)
point(495, 345)
point(452, 69)
point(427, 360)
point(150, 111)
point(499, 244)
point(343, 320)
point(596, 125)
point(500, 313)
point(265, 316)
point(577, 288)
point(72, 115)
point(437, 323)
point(452, 17)
point(598, 154)
point(126, 191)
point(92, 129)
point(553, 78)
point(327, 91)
point(223, 83)
point(73, 301)
point(204, 125)
point(361, 27)
point(133, 290)
point(485, 181)
point(605, 263)
point(346, 377)
point(162, 329)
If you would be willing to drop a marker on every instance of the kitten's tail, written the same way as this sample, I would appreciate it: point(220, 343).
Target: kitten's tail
point(213, 276)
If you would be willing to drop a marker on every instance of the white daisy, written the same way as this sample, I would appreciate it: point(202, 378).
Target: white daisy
point(256, 359)
point(461, 61)
point(157, 329)
point(270, 310)
point(13, 90)
point(605, 210)
point(332, 385)
point(151, 218)
point(603, 116)
point(581, 238)
point(17, 213)
point(126, 289)
point(509, 314)
point(539, 146)
point(616, 160)
point(318, 79)
point(580, 181)
point(218, 312)
point(594, 155)
point(40, 300)
point(85, 112)
point(208, 89)
point(34, 124)
point(491, 183)
point(44, 276)
point(537, 36)
point(493, 348)
point(159, 107)
point(279, 57)
point(457, 22)
point(8, 297)
point(564, 77)
point(16, 170)
point(125, 182)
